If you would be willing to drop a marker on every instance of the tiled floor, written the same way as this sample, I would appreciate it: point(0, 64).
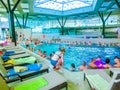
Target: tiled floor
point(75, 80)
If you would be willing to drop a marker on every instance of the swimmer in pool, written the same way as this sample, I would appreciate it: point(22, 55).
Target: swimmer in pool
point(117, 62)
point(83, 66)
point(107, 65)
point(92, 63)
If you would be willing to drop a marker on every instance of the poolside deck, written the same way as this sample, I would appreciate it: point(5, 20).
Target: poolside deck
point(75, 80)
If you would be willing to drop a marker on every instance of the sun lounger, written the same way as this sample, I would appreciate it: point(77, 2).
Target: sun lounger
point(18, 49)
point(114, 70)
point(11, 63)
point(24, 71)
point(49, 81)
point(5, 58)
point(9, 53)
point(29, 60)
point(3, 72)
point(11, 47)
point(100, 80)
point(8, 48)
point(19, 55)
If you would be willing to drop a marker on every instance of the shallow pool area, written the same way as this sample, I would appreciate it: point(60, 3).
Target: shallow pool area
point(78, 54)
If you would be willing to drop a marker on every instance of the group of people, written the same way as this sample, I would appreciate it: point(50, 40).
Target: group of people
point(57, 58)
point(97, 64)
point(88, 43)
point(20, 37)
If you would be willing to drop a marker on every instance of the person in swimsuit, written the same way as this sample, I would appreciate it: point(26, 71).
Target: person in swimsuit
point(92, 64)
point(57, 59)
point(117, 62)
point(107, 65)
point(83, 66)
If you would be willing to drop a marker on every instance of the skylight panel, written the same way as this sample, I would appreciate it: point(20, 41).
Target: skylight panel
point(78, 4)
point(40, 0)
point(52, 5)
point(67, 7)
point(62, 5)
point(62, 1)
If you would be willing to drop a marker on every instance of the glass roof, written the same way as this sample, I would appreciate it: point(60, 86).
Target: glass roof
point(62, 5)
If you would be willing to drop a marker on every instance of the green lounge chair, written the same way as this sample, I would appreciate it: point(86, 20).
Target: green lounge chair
point(49, 81)
point(17, 62)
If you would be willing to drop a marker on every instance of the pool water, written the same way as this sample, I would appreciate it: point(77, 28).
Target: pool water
point(78, 54)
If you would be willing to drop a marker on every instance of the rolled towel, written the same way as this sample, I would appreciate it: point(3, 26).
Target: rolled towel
point(20, 68)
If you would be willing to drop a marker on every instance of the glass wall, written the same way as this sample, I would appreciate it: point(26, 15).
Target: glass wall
point(77, 26)
point(72, 26)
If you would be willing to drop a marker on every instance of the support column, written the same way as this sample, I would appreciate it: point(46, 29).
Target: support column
point(10, 12)
point(103, 31)
point(75, 30)
point(23, 21)
point(11, 26)
point(62, 27)
point(103, 21)
point(62, 24)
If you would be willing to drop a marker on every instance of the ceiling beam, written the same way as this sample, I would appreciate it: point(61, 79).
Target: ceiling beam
point(16, 4)
point(4, 5)
point(19, 8)
point(116, 1)
point(9, 6)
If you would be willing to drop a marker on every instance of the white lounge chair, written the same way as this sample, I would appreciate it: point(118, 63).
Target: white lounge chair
point(11, 47)
point(100, 80)
point(19, 55)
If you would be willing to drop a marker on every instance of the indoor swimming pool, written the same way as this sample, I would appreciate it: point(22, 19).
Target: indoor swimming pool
point(78, 54)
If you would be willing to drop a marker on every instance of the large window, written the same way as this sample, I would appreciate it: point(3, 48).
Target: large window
point(37, 30)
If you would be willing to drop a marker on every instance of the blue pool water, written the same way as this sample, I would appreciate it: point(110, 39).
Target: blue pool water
point(77, 55)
